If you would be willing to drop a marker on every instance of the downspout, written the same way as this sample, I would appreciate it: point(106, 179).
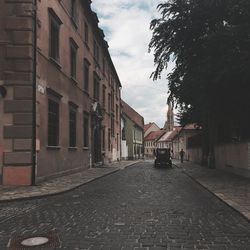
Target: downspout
point(34, 38)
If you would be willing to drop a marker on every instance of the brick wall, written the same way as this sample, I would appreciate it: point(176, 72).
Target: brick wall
point(16, 66)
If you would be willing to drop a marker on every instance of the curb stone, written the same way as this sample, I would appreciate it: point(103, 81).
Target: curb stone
point(243, 212)
point(40, 196)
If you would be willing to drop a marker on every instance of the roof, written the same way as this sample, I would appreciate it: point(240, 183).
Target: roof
point(170, 135)
point(147, 126)
point(154, 135)
point(190, 126)
point(132, 114)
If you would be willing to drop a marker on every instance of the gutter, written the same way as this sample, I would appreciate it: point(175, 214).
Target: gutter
point(34, 38)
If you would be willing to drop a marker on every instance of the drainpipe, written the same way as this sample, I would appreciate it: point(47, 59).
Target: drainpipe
point(33, 172)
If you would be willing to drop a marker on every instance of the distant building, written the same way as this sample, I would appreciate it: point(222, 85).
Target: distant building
point(166, 140)
point(124, 145)
point(180, 140)
point(150, 142)
point(149, 128)
point(63, 115)
point(132, 138)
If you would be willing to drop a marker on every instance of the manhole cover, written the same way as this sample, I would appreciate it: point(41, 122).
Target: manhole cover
point(41, 241)
point(35, 241)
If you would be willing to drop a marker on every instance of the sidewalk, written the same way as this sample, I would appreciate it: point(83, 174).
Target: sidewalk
point(234, 190)
point(61, 184)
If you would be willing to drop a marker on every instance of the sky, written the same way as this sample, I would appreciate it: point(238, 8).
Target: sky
point(126, 27)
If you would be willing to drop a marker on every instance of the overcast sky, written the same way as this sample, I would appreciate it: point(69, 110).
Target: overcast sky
point(126, 27)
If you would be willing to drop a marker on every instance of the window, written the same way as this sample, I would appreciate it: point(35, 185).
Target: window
point(117, 146)
point(103, 96)
point(116, 111)
point(103, 139)
point(72, 125)
point(53, 123)
point(123, 134)
point(73, 10)
point(112, 100)
point(96, 87)
point(54, 23)
point(86, 74)
point(86, 33)
point(117, 91)
point(112, 125)
point(109, 139)
point(96, 52)
point(109, 103)
point(103, 65)
point(85, 130)
point(73, 53)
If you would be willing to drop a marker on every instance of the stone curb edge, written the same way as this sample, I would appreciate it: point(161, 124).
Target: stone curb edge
point(228, 203)
point(66, 190)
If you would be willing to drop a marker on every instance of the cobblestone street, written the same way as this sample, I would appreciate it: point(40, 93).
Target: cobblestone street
point(139, 207)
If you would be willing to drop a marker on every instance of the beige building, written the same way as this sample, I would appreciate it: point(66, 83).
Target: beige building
point(148, 128)
point(132, 134)
point(150, 142)
point(180, 140)
point(63, 115)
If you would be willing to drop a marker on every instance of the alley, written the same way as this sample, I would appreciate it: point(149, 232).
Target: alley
point(139, 207)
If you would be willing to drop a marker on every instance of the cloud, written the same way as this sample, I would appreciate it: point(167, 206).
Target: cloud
point(126, 26)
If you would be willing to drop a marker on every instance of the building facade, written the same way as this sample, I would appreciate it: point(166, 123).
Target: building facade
point(124, 145)
point(150, 142)
point(180, 140)
point(133, 132)
point(61, 111)
point(149, 128)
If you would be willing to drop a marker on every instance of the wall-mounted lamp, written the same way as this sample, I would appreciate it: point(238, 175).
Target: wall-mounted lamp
point(3, 92)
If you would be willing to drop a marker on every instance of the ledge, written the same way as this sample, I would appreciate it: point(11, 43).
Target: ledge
point(72, 148)
point(86, 45)
point(73, 80)
point(74, 22)
point(53, 147)
point(55, 62)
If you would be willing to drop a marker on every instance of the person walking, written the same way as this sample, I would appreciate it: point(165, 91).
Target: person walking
point(182, 153)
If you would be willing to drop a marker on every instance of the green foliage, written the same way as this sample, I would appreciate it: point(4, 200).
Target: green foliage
point(209, 41)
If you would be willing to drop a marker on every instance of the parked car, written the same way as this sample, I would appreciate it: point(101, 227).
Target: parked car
point(163, 157)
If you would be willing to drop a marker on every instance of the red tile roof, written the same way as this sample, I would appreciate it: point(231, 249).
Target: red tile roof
point(132, 114)
point(170, 135)
point(154, 135)
point(147, 126)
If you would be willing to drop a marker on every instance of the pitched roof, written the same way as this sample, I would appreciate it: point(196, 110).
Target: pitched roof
point(132, 114)
point(170, 135)
point(147, 126)
point(190, 126)
point(154, 135)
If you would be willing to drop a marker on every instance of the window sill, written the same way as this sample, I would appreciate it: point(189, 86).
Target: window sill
point(73, 80)
point(72, 148)
point(53, 147)
point(74, 22)
point(86, 45)
point(96, 99)
point(85, 148)
point(55, 62)
point(85, 92)
point(97, 63)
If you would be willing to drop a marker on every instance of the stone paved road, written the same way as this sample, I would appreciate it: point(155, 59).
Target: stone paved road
point(137, 208)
